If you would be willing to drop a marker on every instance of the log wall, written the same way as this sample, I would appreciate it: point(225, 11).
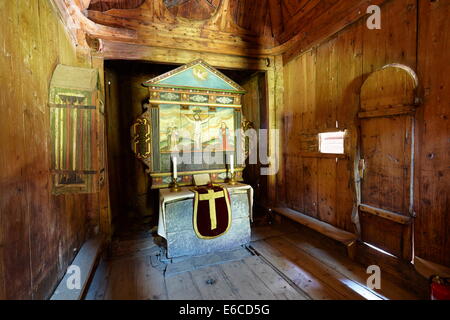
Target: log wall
point(39, 233)
point(432, 185)
point(321, 93)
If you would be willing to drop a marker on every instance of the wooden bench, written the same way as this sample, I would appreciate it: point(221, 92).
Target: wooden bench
point(348, 239)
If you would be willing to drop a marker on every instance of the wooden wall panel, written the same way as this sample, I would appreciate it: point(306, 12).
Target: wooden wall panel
point(14, 215)
point(349, 53)
point(310, 186)
point(345, 197)
point(396, 41)
point(357, 51)
point(308, 73)
point(325, 107)
point(299, 95)
point(326, 190)
point(347, 76)
point(322, 89)
point(294, 174)
point(39, 232)
point(432, 184)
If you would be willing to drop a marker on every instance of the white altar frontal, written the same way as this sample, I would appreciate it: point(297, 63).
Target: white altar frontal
point(177, 227)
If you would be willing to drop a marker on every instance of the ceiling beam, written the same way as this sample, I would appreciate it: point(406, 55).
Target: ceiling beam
point(113, 50)
point(79, 25)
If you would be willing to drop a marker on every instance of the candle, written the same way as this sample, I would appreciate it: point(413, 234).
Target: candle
point(175, 174)
point(231, 164)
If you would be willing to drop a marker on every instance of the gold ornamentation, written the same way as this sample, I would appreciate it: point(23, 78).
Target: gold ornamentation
point(246, 125)
point(232, 179)
point(224, 100)
point(169, 96)
point(174, 187)
point(199, 98)
point(138, 139)
point(211, 196)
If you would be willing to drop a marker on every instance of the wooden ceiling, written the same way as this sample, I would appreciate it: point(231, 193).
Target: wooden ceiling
point(234, 27)
point(193, 9)
point(105, 5)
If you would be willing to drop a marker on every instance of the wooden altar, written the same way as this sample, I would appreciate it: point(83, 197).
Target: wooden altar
point(176, 222)
point(193, 124)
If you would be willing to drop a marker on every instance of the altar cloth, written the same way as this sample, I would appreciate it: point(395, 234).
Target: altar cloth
point(166, 196)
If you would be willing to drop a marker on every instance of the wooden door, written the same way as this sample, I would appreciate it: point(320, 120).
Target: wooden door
point(386, 159)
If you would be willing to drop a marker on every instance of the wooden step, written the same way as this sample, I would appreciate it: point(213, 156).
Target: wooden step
point(346, 238)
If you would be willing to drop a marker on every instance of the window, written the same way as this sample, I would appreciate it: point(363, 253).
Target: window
point(74, 126)
point(331, 142)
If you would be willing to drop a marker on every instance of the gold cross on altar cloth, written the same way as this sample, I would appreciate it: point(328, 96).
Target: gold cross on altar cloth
point(211, 196)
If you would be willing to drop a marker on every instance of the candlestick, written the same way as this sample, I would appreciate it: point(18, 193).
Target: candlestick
point(231, 164)
point(175, 173)
point(174, 187)
point(231, 180)
point(174, 184)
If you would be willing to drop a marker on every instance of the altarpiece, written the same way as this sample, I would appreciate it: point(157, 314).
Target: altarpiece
point(193, 125)
point(194, 113)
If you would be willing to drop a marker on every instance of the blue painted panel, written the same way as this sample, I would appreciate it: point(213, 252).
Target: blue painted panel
point(199, 77)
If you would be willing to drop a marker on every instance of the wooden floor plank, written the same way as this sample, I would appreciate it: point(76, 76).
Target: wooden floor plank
point(126, 247)
point(206, 260)
point(293, 265)
point(182, 287)
point(307, 282)
point(97, 288)
point(346, 266)
point(264, 233)
point(121, 282)
point(270, 231)
point(149, 281)
point(279, 286)
point(323, 273)
point(213, 285)
point(135, 279)
point(245, 282)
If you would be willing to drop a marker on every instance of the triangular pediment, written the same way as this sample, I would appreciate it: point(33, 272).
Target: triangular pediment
point(198, 75)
